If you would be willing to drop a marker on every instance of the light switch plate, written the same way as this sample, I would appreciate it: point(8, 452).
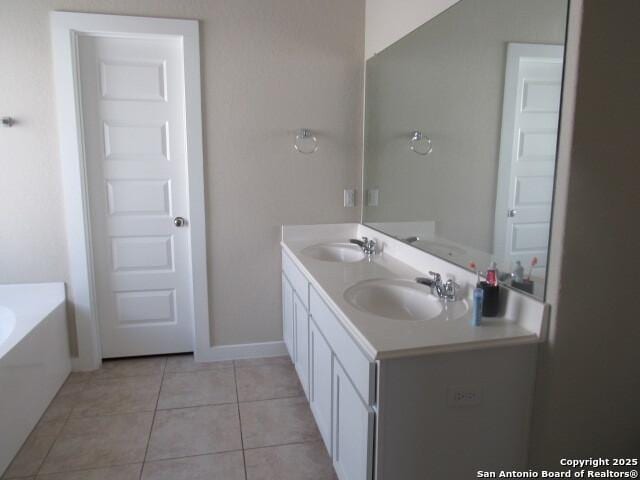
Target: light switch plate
point(372, 197)
point(349, 198)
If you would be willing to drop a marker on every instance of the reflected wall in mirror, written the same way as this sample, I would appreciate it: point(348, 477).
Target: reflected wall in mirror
point(460, 135)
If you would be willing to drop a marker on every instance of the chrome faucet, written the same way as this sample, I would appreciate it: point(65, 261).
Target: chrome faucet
point(446, 291)
point(412, 239)
point(367, 246)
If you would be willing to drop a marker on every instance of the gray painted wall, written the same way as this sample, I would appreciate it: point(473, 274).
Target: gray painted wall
point(446, 79)
point(269, 67)
point(588, 387)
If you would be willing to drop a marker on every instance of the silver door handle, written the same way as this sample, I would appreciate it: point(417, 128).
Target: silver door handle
point(512, 213)
point(179, 222)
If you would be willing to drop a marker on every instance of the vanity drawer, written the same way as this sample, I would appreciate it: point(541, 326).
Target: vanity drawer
point(359, 369)
point(297, 279)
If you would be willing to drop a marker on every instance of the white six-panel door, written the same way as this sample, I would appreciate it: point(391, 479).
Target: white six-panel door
point(133, 109)
point(533, 84)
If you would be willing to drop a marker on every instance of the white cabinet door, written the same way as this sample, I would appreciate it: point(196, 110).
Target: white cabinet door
point(301, 332)
point(320, 381)
point(287, 317)
point(352, 429)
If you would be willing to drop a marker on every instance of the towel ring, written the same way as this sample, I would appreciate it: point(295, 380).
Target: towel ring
point(305, 142)
point(415, 141)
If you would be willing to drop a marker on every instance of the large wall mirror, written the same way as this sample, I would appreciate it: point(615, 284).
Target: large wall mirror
point(461, 129)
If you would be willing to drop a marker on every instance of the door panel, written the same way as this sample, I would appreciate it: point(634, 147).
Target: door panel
point(139, 253)
point(133, 108)
point(320, 381)
point(302, 342)
point(133, 80)
point(352, 429)
point(136, 143)
point(287, 317)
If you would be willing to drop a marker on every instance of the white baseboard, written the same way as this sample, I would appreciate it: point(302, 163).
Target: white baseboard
point(214, 354)
point(84, 364)
point(240, 351)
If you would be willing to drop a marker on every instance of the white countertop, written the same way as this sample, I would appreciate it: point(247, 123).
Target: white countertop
point(381, 337)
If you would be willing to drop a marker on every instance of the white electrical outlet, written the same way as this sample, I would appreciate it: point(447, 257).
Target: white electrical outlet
point(349, 198)
point(464, 396)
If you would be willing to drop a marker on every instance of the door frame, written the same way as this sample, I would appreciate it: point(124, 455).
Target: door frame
point(515, 52)
point(66, 27)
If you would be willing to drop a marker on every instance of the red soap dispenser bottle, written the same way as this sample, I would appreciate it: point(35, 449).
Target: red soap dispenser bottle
point(492, 274)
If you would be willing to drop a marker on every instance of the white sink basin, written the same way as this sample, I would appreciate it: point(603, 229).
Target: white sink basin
point(335, 252)
point(402, 300)
point(396, 299)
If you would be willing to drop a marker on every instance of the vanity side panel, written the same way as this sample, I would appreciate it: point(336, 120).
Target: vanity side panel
point(420, 435)
point(298, 280)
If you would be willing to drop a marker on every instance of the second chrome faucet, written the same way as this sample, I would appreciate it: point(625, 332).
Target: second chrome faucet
point(368, 246)
point(444, 290)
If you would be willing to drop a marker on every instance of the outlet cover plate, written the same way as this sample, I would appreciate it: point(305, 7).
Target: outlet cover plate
point(464, 396)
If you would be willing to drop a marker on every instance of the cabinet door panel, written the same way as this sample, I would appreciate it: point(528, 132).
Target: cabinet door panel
point(301, 332)
point(320, 382)
point(361, 371)
point(287, 317)
point(352, 429)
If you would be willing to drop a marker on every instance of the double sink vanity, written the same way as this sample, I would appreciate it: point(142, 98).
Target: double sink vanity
point(400, 383)
point(460, 138)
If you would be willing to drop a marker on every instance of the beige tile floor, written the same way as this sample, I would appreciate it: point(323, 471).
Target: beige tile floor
point(169, 418)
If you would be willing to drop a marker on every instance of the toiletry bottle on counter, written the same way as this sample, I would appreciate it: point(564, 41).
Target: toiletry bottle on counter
point(492, 274)
point(518, 272)
point(491, 292)
point(478, 294)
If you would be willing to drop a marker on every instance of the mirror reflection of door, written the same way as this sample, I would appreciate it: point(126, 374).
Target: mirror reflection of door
point(533, 82)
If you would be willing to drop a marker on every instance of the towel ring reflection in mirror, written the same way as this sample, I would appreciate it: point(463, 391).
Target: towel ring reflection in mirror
point(420, 144)
point(305, 142)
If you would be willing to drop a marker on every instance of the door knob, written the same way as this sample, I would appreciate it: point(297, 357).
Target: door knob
point(512, 213)
point(179, 222)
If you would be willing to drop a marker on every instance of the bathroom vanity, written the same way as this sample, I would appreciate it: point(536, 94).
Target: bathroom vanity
point(400, 383)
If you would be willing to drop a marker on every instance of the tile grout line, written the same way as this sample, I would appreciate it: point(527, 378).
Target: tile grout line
point(159, 460)
point(287, 444)
point(186, 407)
point(76, 470)
point(235, 381)
point(119, 377)
point(300, 395)
point(64, 424)
point(153, 419)
point(193, 455)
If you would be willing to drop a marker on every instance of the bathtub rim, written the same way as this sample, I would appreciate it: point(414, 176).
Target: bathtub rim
point(10, 317)
point(29, 315)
